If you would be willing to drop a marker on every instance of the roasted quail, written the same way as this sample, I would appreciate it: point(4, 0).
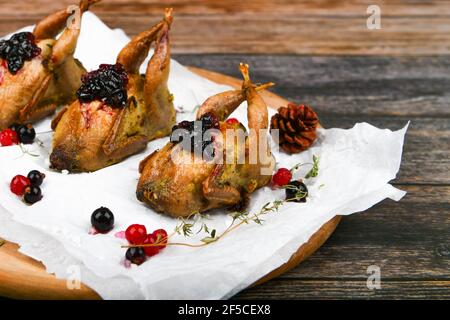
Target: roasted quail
point(118, 110)
point(37, 71)
point(179, 182)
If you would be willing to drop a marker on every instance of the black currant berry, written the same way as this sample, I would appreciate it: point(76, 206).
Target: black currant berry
point(102, 220)
point(26, 134)
point(32, 194)
point(296, 191)
point(15, 127)
point(136, 255)
point(36, 177)
point(19, 48)
point(107, 83)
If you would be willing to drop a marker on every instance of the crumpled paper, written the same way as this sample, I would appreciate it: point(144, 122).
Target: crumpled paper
point(355, 168)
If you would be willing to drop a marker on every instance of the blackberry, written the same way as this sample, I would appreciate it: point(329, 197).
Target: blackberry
point(107, 83)
point(196, 130)
point(19, 48)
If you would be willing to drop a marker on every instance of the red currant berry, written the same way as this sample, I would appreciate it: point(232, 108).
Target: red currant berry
point(232, 121)
point(136, 234)
point(8, 137)
point(161, 237)
point(282, 177)
point(18, 184)
point(153, 250)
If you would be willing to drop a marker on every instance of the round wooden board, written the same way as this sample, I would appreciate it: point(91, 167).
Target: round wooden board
point(22, 277)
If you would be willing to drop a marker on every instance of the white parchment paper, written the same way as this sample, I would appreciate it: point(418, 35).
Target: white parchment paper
point(356, 166)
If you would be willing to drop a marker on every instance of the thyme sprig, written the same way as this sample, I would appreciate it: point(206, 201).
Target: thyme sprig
point(187, 226)
point(299, 193)
point(315, 169)
point(313, 172)
point(25, 151)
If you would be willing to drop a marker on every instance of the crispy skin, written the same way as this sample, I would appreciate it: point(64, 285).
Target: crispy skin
point(49, 79)
point(88, 138)
point(178, 183)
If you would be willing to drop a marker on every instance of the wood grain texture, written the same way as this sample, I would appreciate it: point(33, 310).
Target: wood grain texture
point(409, 240)
point(267, 26)
point(21, 277)
point(386, 92)
point(353, 289)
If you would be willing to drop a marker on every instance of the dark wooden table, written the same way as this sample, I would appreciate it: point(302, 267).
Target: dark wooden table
point(409, 240)
point(348, 74)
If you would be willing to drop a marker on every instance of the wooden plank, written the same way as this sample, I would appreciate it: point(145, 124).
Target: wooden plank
point(321, 28)
point(233, 7)
point(408, 240)
point(21, 275)
point(342, 289)
point(369, 86)
point(317, 81)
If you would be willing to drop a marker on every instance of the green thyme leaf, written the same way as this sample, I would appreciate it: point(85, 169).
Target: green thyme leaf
point(315, 169)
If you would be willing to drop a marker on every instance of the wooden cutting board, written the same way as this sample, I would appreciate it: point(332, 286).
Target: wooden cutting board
point(22, 277)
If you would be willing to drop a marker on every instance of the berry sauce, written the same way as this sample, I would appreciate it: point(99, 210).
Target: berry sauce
point(107, 83)
point(196, 131)
point(19, 48)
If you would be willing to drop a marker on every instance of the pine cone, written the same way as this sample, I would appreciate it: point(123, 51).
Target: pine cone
point(297, 125)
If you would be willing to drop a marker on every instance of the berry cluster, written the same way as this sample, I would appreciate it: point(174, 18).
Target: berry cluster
point(196, 131)
point(16, 134)
point(19, 48)
point(28, 187)
point(107, 83)
point(136, 234)
point(296, 191)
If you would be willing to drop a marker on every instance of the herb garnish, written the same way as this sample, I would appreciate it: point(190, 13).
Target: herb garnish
point(187, 225)
point(315, 169)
